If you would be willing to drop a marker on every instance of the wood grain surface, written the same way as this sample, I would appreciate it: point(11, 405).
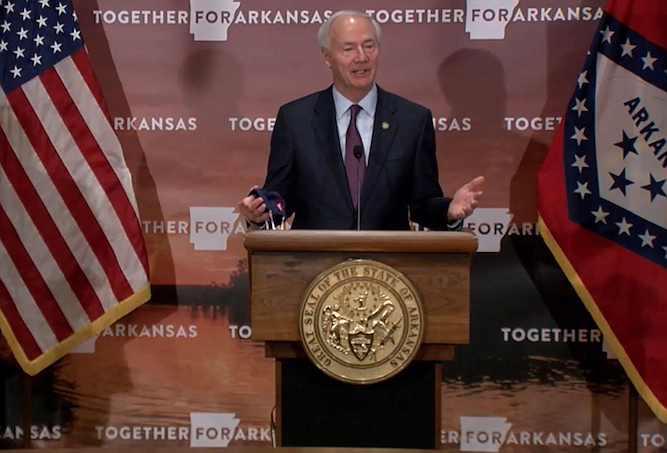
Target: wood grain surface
point(280, 277)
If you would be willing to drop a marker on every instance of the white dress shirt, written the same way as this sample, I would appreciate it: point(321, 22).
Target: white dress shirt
point(365, 118)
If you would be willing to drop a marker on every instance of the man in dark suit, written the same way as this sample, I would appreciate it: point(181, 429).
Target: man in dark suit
point(325, 144)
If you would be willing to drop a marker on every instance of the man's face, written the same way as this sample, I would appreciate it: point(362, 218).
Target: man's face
point(352, 56)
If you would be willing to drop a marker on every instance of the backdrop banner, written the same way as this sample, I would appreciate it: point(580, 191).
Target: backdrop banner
point(193, 88)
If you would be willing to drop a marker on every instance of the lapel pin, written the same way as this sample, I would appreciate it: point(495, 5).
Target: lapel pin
point(385, 125)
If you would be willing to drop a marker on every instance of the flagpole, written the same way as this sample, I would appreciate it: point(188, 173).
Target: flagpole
point(27, 408)
point(633, 418)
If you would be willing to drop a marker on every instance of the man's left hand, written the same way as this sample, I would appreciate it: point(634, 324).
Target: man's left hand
point(465, 200)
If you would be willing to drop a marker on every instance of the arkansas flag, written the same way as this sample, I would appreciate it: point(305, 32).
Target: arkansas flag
point(602, 196)
point(72, 254)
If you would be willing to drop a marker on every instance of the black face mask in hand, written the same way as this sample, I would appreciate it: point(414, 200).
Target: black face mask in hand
point(275, 205)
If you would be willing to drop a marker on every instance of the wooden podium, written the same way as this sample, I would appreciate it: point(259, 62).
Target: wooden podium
point(315, 410)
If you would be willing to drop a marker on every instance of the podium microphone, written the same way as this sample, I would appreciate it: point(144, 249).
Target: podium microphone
point(358, 152)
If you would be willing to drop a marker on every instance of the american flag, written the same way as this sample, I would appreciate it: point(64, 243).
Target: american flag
point(72, 255)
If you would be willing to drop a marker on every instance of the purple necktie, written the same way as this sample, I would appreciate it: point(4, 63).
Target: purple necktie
point(353, 139)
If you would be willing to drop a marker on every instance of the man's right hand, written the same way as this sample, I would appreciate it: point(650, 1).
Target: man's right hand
point(253, 208)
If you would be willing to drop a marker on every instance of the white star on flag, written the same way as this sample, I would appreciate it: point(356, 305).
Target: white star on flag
point(580, 107)
point(607, 34)
point(5, 26)
point(61, 8)
point(627, 48)
point(9, 7)
point(76, 34)
point(39, 40)
point(23, 34)
point(41, 21)
point(647, 239)
point(58, 27)
point(56, 47)
point(582, 80)
point(16, 72)
point(36, 60)
point(579, 135)
point(25, 14)
point(582, 189)
point(623, 227)
point(665, 249)
point(648, 61)
point(19, 53)
point(580, 162)
point(3, 46)
point(44, 3)
point(600, 215)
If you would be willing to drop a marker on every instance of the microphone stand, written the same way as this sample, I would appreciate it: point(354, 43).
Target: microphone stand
point(358, 153)
point(358, 199)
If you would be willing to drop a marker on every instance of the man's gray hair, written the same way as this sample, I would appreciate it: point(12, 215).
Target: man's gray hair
point(324, 33)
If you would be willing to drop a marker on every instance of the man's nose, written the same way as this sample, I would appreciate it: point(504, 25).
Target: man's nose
point(361, 56)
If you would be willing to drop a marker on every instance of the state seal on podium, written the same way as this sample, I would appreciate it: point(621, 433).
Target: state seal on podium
point(361, 321)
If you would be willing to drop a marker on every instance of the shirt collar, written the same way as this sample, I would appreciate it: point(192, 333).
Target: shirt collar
point(368, 103)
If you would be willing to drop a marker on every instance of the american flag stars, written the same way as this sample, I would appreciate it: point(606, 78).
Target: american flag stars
point(35, 34)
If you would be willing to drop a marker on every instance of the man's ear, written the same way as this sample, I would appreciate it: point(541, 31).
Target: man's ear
point(325, 57)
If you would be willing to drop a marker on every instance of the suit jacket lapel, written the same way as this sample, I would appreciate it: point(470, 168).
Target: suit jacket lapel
point(384, 130)
point(326, 130)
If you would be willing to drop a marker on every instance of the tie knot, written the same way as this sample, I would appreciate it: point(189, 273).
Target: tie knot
point(354, 110)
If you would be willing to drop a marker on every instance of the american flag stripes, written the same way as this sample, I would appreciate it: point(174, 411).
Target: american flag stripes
point(72, 255)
